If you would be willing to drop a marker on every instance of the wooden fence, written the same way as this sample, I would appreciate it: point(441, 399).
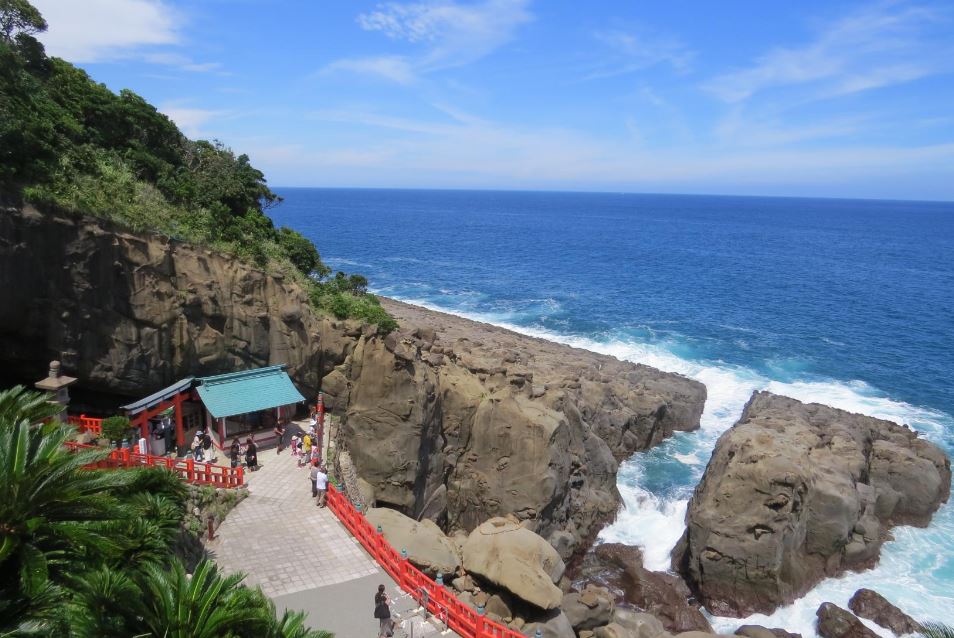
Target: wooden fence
point(459, 616)
point(187, 469)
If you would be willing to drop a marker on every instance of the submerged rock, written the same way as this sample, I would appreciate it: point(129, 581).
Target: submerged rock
point(875, 607)
point(835, 622)
point(797, 492)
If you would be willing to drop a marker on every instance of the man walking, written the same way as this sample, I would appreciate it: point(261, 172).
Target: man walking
point(321, 485)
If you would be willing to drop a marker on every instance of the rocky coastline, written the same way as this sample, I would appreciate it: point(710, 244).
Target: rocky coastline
point(492, 456)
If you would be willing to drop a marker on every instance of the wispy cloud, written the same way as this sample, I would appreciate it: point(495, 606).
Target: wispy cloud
point(449, 34)
point(190, 120)
point(111, 30)
point(390, 67)
point(633, 50)
point(103, 30)
point(880, 46)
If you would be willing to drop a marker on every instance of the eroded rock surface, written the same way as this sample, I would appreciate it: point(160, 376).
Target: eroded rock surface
point(796, 492)
point(426, 545)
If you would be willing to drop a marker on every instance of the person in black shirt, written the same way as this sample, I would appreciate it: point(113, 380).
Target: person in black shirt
point(382, 611)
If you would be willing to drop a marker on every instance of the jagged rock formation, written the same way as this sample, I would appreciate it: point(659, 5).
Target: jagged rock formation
point(129, 313)
point(461, 421)
point(796, 492)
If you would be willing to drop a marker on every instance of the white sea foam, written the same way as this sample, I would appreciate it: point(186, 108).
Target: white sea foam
point(916, 570)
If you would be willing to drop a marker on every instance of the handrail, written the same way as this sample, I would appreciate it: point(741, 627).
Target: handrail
point(187, 469)
point(87, 424)
point(459, 616)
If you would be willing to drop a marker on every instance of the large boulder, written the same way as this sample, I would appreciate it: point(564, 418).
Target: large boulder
point(834, 622)
point(797, 492)
point(875, 607)
point(588, 608)
point(638, 625)
point(554, 625)
point(427, 546)
point(517, 560)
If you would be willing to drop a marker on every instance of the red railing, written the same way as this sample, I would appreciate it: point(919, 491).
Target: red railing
point(87, 424)
point(459, 616)
point(187, 469)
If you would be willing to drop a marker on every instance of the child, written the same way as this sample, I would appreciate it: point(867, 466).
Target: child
point(315, 455)
point(301, 454)
point(294, 446)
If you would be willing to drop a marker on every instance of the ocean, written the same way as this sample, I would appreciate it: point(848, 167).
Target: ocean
point(849, 303)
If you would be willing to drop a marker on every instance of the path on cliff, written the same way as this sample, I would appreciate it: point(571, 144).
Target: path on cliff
point(303, 558)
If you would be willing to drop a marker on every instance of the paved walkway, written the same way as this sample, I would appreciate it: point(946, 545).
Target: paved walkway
point(303, 558)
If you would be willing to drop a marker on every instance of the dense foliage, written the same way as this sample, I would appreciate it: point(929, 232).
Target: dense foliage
point(90, 553)
point(68, 143)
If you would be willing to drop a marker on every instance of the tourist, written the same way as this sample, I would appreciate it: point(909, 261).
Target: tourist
point(280, 433)
point(313, 475)
point(235, 452)
point(301, 453)
point(197, 453)
point(294, 446)
point(315, 454)
point(321, 484)
point(251, 454)
point(382, 611)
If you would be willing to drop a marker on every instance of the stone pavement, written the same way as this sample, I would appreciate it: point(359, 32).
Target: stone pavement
point(303, 558)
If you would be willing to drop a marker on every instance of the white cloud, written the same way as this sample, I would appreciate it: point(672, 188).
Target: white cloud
point(102, 30)
point(181, 61)
point(394, 68)
point(191, 120)
point(450, 34)
point(637, 49)
point(880, 46)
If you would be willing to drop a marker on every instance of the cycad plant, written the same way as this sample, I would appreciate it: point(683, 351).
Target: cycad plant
point(936, 630)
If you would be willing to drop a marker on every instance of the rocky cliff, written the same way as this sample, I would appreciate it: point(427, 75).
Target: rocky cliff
point(445, 418)
point(130, 313)
point(796, 492)
point(460, 421)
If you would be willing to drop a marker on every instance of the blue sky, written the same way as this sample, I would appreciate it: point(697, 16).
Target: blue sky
point(842, 99)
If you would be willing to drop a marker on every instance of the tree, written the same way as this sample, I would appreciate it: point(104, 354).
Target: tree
point(116, 428)
point(302, 252)
point(936, 630)
point(19, 16)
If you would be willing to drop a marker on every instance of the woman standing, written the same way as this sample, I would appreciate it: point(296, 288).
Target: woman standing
point(280, 434)
point(251, 454)
point(235, 452)
point(382, 611)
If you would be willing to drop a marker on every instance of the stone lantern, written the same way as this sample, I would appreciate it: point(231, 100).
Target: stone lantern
point(58, 385)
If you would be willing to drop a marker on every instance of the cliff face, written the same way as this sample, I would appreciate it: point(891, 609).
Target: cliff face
point(446, 419)
point(796, 492)
point(460, 421)
point(129, 313)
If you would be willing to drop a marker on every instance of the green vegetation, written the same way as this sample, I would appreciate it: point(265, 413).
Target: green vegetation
point(936, 630)
point(91, 553)
point(115, 428)
point(70, 144)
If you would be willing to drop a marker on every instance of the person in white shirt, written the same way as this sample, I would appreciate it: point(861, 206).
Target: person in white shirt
point(321, 483)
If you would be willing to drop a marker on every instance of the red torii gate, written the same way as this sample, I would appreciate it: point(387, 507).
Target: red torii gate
point(158, 402)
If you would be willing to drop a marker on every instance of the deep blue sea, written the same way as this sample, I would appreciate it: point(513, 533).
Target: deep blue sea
point(844, 302)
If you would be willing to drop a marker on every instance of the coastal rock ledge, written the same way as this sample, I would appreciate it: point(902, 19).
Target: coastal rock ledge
point(797, 492)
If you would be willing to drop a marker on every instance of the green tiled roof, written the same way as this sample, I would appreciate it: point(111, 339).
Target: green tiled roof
point(247, 391)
